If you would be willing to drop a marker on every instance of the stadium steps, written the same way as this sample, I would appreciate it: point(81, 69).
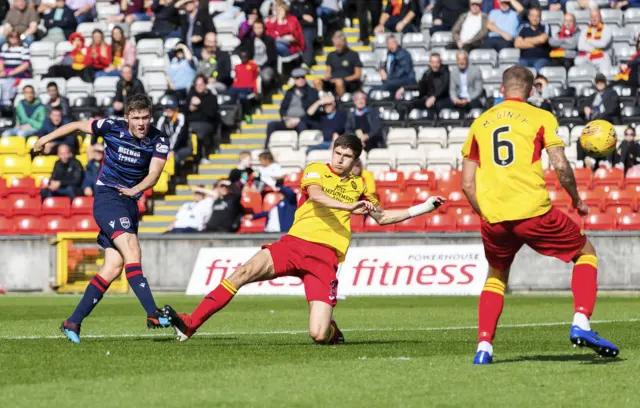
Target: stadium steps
point(223, 158)
point(166, 210)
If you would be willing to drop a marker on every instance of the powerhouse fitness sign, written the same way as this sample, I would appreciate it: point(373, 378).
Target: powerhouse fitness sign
point(395, 270)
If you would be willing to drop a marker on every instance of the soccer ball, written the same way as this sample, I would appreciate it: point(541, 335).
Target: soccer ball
point(598, 138)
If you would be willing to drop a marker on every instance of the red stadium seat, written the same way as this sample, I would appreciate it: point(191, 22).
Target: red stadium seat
point(142, 205)
point(386, 192)
point(6, 226)
point(357, 223)
point(632, 179)
point(252, 201)
point(583, 177)
point(370, 225)
point(22, 185)
point(468, 222)
point(602, 222)
point(28, 225)
point(551, 179)
point(251, 226)
point(455, 199)
point(594, 199)
point(269, 201)
point(399, 200)
point(422, 196)
point(416, 224)
point(293, 179)
point(628, 198)
point(3, 187)
point(56, 206)
point(421, 180)
point(613, 177)
point(25, 205)
point(390, 178)
point(450, 181)
point(6, 207)
point(148, 192)
point(57, 223)
point(85, 223)
point(560, 198)
point(461, 211)
point(618, 210)
point(441, 222)
point(82, 205)
point(629, 222)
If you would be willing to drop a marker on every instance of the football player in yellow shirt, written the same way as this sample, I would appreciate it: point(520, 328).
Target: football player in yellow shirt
point(317, 241)
point(503, 180)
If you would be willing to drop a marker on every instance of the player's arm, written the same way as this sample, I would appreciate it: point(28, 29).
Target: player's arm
point(385, 217)
point(565, 175)
point(469, 183)
point(80, 126)
point(155, 170)
point(317, 196)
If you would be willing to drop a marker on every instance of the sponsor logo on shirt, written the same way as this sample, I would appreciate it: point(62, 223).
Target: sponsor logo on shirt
point(162, 148)
point(311, 174)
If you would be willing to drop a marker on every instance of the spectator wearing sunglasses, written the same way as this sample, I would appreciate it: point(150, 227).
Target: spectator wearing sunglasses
point(628, 153)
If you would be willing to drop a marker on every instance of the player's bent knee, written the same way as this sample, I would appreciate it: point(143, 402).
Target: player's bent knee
point(587, 249)
point(128, 247)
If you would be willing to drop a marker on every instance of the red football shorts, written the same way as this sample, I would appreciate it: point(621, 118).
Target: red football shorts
point(552, 234)
point(315, 264)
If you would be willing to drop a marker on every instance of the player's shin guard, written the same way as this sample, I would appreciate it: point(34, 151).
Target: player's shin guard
point(212, 303)
point(140, 287)
point(92, 295)
point(584, 284)
point(490, 309)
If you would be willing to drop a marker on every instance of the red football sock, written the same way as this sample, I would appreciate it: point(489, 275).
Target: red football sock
point(212, 303)
point(584, 284)
point(490, 309)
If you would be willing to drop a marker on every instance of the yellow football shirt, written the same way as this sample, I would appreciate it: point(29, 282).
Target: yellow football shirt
point(316, 223)
point(369, 181)
point(507, 141)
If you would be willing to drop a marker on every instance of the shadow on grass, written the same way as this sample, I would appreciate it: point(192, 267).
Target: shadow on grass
point(579, 358)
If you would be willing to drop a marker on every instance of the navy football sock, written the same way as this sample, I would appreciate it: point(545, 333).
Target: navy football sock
point(92, 295)
point(140, 287)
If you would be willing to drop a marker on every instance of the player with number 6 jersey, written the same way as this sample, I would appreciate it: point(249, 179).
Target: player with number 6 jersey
point(135, 156)
point(503, 179)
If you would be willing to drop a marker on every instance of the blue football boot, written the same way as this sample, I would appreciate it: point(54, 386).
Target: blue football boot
point(591, 339)
point(71, 331)
point(483, 357)
point(158, 320)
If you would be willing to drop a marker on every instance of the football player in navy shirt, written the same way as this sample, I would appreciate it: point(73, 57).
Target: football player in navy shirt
point(135, 154)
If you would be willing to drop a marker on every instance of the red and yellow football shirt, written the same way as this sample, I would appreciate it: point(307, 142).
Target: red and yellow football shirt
point(507, 141)
point(316, 223)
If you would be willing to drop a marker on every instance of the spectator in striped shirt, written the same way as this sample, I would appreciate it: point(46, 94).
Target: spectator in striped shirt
point(14, 65)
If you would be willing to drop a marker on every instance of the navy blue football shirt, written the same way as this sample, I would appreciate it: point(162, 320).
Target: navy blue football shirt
point(127, 158)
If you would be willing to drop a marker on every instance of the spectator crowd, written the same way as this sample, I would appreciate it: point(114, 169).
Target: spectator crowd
point(431, 60)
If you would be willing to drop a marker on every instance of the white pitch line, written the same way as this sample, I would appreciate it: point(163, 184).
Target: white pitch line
point(250, 333)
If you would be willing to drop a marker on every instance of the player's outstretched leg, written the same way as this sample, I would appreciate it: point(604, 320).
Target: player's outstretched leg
point(127, 244)
point(584, 286)
point(258, 268)
point(323, 329)
point(111, 269)
point(489, 310)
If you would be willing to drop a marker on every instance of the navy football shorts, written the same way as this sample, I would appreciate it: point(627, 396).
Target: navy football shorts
point(114, 214)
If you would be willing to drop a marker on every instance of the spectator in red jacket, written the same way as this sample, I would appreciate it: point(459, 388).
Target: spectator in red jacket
point(287, 31)
point(99, 54)
point(245, 86)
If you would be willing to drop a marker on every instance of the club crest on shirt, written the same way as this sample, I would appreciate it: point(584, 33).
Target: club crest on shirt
point(354, 185)
point(145, 141)
point(124, 221)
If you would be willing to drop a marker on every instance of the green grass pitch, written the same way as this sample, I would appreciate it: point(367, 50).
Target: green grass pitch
point(400, 352)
